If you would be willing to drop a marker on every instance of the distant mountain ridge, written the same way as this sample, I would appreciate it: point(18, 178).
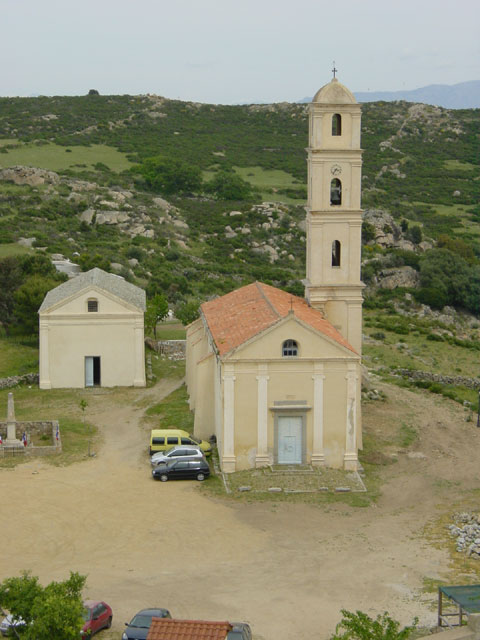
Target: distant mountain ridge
point(464, 95)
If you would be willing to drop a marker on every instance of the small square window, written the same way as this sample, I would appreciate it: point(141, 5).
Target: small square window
point(92, 306)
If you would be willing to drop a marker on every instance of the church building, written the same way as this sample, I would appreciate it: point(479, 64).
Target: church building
point(277, 378)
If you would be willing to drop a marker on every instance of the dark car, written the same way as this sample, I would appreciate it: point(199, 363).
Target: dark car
point(137, 628)
point(192, 468)
point(97, 615)
point(240, 631)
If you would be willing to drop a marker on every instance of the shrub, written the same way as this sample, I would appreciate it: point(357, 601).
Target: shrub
point(359, 626)
point(368, 232)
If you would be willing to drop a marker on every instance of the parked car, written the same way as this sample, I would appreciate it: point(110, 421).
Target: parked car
point(193, 468)
point(9, 623)
point(174, 453)
point(240, 631)
point(137, 628)
point(163, 439)
point(97, 616)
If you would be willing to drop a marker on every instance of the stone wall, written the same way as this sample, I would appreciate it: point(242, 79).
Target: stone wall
point(173, 349)
point(37, 428)
point(413, 374)
point(12, 381)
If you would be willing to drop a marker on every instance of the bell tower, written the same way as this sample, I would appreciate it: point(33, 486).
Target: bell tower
point(334, 216)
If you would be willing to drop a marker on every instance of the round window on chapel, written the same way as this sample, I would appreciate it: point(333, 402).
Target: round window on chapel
point(289, 348)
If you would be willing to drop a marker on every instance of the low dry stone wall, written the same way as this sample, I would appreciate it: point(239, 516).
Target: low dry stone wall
point(466, 530)
point(172, 349)
point(12, 381)
point(470, 383)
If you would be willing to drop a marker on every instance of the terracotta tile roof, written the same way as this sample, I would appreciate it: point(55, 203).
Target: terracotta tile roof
point(242, 314)
point(168, 629)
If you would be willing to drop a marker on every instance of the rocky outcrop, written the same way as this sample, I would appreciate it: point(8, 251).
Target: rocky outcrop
point(405, 277)
point(29, 175)
point(387, 232)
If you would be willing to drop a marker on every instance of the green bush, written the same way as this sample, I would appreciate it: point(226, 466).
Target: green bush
point(359, 626)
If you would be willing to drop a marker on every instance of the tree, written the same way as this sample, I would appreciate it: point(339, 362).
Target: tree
point(28, 298)
point(54, 611)
point(415, 234)
point(447, 272)
point(169, 176)
point(188, 312)
point(87, 262)
point(359, 626)
point(227, 185)
point(57, 612)
point(10, 279)
point(157, 310)
point(17, 595)
point(38, 264)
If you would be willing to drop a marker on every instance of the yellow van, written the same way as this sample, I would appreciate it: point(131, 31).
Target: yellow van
point(163, 439)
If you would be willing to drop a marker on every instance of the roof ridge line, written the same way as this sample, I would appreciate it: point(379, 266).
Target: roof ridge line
point(262, 293)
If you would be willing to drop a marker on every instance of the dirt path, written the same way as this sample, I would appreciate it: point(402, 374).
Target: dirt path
point(287, 569)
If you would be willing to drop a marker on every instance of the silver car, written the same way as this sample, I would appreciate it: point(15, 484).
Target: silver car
point(180, 451)
point(9, 623)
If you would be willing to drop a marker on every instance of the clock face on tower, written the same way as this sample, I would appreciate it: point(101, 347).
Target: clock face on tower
point(336, 170)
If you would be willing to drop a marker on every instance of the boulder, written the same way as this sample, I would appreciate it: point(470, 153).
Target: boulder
point(112, 217)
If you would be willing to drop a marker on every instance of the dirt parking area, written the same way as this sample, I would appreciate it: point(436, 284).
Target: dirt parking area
point(287, 568)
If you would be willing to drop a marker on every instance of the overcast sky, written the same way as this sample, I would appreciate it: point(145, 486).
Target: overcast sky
point(234, 51)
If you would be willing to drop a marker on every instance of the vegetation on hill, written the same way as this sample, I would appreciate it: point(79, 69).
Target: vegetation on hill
point(173, 202)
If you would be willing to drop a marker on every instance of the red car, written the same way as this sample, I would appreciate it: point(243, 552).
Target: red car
point(97, 616)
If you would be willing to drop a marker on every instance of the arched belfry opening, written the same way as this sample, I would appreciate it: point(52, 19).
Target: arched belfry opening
point(336, 253)
point(336, 124)
point(335, 192)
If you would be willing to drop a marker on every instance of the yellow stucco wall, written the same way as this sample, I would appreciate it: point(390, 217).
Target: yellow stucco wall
point(69, 333)
point(290, 380)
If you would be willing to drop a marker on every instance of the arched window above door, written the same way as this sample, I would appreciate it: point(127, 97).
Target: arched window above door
point(289, 348)
point(336, 124)
point(335, 192)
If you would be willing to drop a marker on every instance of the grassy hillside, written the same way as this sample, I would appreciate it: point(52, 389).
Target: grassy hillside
point(421, 164)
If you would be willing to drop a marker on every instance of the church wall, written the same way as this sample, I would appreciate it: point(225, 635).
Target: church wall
point(78, 305)
point(290, 384)
point(65, 342)
point(196, 348)
point(204, 424)
point(311, 345)
point(335, 416)
point(245, 416)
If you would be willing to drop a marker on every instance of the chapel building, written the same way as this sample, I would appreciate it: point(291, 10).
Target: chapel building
point(277, 378)
point(92, 333)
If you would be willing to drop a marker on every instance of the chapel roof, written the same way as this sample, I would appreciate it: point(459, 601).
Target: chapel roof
point(334, 93)
point(110, 282)
point(170, 629)
point(244, 313)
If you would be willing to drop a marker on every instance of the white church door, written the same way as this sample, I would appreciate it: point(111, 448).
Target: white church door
point(289, 440)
